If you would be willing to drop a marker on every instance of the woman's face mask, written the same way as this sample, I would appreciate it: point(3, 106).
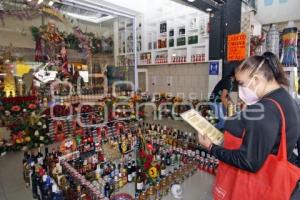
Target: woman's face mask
point(248, 95)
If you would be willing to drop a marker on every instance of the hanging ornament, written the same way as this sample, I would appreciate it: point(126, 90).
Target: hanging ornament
point(289, 45)
point(272, 40)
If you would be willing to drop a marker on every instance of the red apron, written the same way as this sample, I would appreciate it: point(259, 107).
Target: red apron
point(275, 180)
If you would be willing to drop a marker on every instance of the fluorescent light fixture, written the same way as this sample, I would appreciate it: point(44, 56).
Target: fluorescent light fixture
point(191, 1)
point(50, 3)
point(40, 1)
point(29, 0)
point(208, 9)
point(94, 19)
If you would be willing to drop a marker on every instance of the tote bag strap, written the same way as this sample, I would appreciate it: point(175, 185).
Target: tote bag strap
point(282, 151)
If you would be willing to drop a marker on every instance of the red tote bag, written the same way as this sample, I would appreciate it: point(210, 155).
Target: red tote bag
point(276, 180)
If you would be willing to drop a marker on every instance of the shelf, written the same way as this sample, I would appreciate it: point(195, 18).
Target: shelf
point(179, 47)
point(193, 30)
point(124, 54)
point(197, 45)
point(173, 63)
point(162, 49)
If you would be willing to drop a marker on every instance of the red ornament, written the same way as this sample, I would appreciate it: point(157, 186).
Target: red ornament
point(16, 108)
point(32, 106)
point(150, 147)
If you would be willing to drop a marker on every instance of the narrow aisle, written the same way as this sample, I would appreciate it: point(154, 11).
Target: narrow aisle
point(12, 186)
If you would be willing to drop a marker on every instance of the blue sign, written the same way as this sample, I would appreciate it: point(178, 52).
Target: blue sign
point(213, 68)
point(283, 1)
point(268, 2)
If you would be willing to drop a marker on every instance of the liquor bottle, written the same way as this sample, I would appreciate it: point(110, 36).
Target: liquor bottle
point(34, 182)
point(143, 196)
point(163, 170)
point(158, 189)
point(129, 173)
point(40, 157)
point(124, 176)
point(168, 159)
point(230, 109)
point(116, 183)
point(121, 180)
point(139, 183)
point(133, 170)
point(151, 195)
point(107, 190)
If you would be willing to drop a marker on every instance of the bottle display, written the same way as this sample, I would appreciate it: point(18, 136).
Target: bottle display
point(160, 158)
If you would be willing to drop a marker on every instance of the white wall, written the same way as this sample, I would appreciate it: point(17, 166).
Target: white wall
point(278, 12)
point(152, 9)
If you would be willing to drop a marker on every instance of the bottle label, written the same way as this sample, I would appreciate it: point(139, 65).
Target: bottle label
point(129, 177)
point(133, 174)
point(139, 186)
point(163, 172)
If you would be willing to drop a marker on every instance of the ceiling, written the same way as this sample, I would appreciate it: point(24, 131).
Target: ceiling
point(204, 5)
point(75, 11)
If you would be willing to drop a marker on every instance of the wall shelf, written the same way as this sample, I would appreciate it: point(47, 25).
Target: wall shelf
point(194, 31)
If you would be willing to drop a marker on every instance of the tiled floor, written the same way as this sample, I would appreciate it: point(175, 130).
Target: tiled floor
point(12, 186)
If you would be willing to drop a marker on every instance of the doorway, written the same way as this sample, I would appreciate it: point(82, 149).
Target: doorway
point(143, 80)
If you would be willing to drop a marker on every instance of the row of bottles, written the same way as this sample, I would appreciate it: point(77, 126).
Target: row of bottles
point(162, 186)
point(176, 155)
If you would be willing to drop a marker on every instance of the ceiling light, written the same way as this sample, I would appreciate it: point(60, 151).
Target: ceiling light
point(191, 1)
point(29, 0)
point(93, 19)
point(40, 1)
point(208, 9)
point(50, 3)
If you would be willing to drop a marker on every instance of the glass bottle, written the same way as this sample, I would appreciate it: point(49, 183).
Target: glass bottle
point(168, 159)
point(129, 173)
point(143, 196)
point(151, 195)
point(163, 170)
point(139, 184)
point(107, 190)
point(158, 191)
point(116, 183)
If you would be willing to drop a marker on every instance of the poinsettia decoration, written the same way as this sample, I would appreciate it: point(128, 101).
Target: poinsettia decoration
point(28, 135)
point(255, 43)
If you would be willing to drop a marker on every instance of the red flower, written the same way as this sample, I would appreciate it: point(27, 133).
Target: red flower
point(147, 165)
point(32, 106)
point(2, 108)
point(16, 108)
point(149, 158)
point(158, 167)
point(142, 153)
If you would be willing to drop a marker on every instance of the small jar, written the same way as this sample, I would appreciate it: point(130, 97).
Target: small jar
point(143, 196)
point(151, 195)
point(158, 189)
point(165, 187)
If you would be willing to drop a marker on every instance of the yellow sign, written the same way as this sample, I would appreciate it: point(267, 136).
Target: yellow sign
point(22, 69)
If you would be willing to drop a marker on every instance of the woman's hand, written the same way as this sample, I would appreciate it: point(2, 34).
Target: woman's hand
point(205, 141)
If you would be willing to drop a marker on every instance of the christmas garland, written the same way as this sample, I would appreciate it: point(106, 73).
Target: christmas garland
point(83, 42)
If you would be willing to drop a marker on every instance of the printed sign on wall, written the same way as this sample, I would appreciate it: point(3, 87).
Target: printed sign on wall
point(213, 68)
point(236, 47)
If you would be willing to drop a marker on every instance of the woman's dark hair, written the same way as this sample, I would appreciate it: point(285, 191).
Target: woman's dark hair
point(268, 64)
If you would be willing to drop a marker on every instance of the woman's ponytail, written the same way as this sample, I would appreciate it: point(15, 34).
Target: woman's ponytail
point(276, 68)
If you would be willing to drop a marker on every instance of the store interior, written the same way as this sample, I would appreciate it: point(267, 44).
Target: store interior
point(92, 91)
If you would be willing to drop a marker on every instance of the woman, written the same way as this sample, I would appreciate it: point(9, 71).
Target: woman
point(252, 137)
